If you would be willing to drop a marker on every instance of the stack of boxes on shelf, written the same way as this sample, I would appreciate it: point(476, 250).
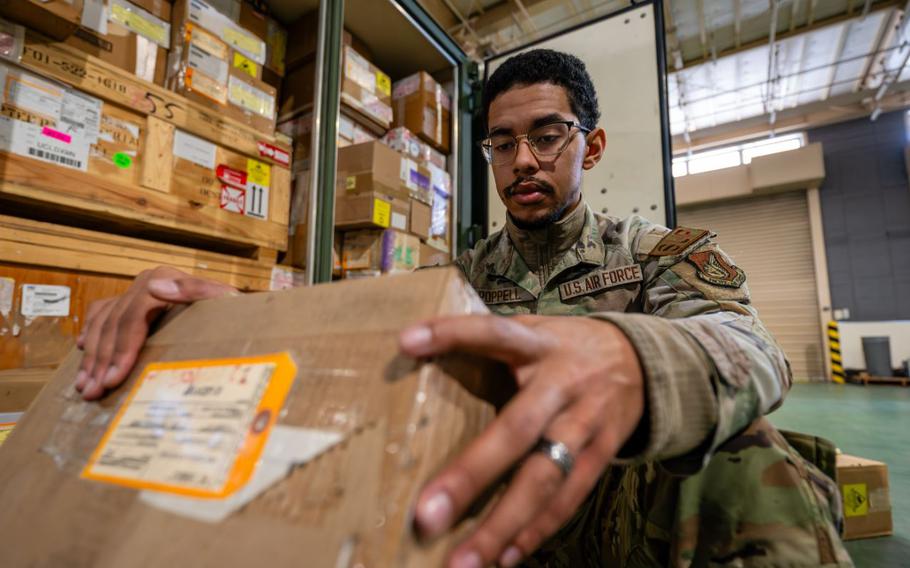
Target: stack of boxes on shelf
point(147, 128)
point(393, 191)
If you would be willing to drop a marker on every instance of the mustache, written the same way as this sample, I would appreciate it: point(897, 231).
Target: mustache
point(544, 186)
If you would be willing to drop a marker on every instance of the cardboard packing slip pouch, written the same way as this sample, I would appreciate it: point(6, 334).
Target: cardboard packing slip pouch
point(133, 35)
point(57, 19)
point(344, 429)
point(863, 485)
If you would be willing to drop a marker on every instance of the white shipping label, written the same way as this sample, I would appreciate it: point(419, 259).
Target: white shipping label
point(257, 201)
point(146, 59)
point(7, 287)
point(44, 143)
point(399, 222)
point(194, 149)
point(94, 16)
point(42, 300)
point(81, 116)
point(32, 94)
point(207, 64)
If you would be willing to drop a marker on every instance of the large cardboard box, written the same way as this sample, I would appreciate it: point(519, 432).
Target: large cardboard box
point(57, 19)
point(133, 35)
point(423, 107)
point(863, 485)
point(304, 387)
point(371, 210)
point(430, 256)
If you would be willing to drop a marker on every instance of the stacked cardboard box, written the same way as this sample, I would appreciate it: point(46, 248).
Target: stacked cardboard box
point(217, 61)
point(424, 107)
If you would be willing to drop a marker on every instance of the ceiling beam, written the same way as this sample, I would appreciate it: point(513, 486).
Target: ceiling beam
point(831, 20)
point(835, 61)
point(848, 106)
point(702, 27)
point(737, 22)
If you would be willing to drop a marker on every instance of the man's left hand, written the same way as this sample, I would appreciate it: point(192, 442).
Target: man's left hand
point(580, 383)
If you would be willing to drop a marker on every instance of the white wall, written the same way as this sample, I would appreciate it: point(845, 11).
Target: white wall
point(852, 332)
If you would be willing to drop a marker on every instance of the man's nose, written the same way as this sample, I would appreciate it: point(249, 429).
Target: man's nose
point(525, 160)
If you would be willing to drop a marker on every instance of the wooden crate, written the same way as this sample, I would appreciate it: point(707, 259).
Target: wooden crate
point(152, 199)
point(94, 266)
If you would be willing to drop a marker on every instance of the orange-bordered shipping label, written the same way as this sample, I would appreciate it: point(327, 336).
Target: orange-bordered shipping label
point(194, 428)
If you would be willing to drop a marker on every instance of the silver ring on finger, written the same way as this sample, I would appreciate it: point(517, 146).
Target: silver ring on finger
point(558, 453)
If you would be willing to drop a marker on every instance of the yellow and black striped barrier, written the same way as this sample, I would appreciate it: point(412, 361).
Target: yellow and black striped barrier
point(837, 363)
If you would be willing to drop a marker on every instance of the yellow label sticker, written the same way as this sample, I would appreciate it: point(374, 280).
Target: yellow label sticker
point(6, 428)
point(205, 86)
point(194, 428)
point(243, 41)
point(856, 499)
point(350, 183)
point(258, 173)
point(245, 64)
point(382, 213)
point(157, 31)
point(383, 84)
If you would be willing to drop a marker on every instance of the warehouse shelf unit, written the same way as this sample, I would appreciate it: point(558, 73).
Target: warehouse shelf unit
point(404, 40)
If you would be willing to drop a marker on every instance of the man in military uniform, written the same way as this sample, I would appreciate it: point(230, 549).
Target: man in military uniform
point(636, 437)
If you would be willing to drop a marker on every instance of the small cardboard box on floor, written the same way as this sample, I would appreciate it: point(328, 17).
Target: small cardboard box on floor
point(863, 485)
point(314, 440)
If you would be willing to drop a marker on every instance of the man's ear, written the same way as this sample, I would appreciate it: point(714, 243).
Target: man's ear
point(596, 143)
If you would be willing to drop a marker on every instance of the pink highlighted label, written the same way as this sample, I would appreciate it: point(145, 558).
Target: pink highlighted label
point(57, 135)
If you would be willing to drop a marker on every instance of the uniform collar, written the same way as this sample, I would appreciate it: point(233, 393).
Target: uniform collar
point(570, 241)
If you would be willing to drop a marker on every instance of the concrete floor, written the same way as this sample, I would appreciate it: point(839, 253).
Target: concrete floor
point(871, 422)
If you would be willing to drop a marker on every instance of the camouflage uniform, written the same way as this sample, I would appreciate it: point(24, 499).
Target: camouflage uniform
point(712, 483)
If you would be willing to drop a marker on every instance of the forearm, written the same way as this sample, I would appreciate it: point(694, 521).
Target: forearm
point(707, 377)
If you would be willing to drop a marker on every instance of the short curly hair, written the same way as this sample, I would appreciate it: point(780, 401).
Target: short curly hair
point(546, 66)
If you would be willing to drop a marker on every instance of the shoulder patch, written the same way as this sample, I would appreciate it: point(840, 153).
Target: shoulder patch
point(713, 268)
point(677, 241)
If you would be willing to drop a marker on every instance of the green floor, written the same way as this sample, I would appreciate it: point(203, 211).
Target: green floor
point(871, 422)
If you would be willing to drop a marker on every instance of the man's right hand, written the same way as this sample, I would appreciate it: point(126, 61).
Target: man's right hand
point(115, 329)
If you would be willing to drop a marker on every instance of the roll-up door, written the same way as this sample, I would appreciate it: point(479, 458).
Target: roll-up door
point(769, 238)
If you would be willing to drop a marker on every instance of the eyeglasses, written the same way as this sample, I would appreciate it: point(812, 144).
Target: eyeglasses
point(547, 140)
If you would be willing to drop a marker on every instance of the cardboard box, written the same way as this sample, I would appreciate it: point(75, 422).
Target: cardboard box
point(365, 88)
point(134, 36)
point(430, 256)
point(421, 217)
point(299, 129)
point(863, 484)
point(298, 90)
point(371, 210)
point(375, 427)
point(57, 19)
point(372, 167)
point(422, 105)
point(19, 387)
point(385, 251)
point(212, 73)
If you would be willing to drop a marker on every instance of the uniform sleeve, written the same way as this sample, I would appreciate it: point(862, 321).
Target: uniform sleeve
point(710, 366)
